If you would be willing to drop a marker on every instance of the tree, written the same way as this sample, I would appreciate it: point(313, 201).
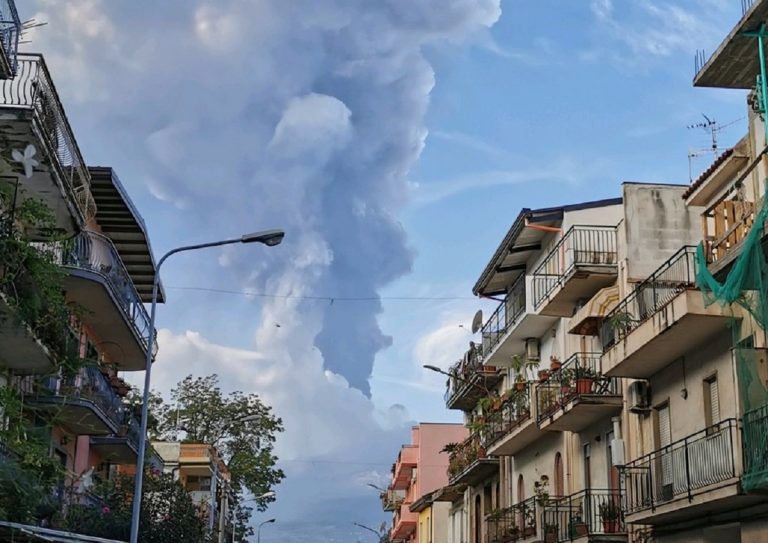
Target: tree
point(240, 426)
point(167, 511)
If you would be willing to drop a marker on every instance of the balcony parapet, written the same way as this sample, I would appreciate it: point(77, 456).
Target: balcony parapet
point(581, 262)
point(577, 392)
point(470, 380)
point(505, 316)
point(96, 253)
point(587, 513)
point(32, 89)
point(674, 276)
point(515, 410)
point(690, 466)
point(514, 523)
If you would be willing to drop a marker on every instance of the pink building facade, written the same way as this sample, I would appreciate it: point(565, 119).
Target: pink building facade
point(420, 469)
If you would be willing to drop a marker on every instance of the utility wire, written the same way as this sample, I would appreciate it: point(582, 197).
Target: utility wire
point(327, 298)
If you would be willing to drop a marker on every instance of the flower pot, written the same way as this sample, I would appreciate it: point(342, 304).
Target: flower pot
point(611, 526)
point(520, 386)
point(481, 452)
point(489, 369)
point(565, 390)
point(583, 386)
point(543, 375)
point(579, 529)
point(550, 537)
point(555, 364)
point(528, 531)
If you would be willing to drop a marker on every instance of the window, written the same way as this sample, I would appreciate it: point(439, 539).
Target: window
point(587, 466)
point(664, 437)
point(559, 476)
point(711, 401)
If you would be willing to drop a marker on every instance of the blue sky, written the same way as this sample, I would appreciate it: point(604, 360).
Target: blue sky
point(395, 141)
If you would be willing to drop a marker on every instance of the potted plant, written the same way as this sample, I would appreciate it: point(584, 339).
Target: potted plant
point(547, 399)
point(610, 514)
point(554, 363)
point(577, 527)
point(621, 322)
point(541, 490)
point(584, 376)
point(550, 533)
point(543, 375)
point(566, 382)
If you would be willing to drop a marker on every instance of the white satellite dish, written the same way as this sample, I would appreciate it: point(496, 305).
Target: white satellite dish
point(477, 322)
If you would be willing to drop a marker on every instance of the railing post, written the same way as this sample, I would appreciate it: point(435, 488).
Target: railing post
point(687, 472)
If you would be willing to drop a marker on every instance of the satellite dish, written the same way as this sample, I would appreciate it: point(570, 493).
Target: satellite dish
point(477, 322)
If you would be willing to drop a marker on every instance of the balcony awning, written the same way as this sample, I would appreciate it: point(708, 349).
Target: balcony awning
point(119, 220)
point(586, 321)
point(511, 257)
point(22, 533)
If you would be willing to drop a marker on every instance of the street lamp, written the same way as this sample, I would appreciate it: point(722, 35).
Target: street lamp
point(364, 527)
point(270, 494)
point(258, 530)
point(270, 238)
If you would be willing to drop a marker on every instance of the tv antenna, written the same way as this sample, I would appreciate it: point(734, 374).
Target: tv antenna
point(28, 25)
point(713, 129)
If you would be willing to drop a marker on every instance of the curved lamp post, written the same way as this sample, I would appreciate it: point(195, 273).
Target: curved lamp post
point(270, 238)
point(258, 530)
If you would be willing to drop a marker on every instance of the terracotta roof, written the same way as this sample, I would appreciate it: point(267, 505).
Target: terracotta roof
point(706, 173)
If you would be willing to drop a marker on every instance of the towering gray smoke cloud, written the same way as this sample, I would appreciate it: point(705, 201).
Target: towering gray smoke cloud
point(305, 114)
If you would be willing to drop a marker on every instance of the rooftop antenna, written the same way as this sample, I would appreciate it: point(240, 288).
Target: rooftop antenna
point(711, 126)
point(477, 321)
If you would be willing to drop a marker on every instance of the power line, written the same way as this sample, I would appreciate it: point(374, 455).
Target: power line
point(327, 298)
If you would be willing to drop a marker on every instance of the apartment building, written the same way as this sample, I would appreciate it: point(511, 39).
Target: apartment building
point(205, 476)
point(67, 372)
point(419, 471)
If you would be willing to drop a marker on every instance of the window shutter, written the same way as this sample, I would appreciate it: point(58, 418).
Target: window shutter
point(714, 402)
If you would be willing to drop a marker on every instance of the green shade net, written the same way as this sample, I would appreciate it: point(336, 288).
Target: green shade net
point(746, 286)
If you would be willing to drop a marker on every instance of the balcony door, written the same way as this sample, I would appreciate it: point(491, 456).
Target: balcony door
point(478, 519)
point(665, 491)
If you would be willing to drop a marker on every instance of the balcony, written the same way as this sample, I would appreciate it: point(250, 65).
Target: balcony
point(123, 446)
point(407, 459)
point(391, 499)
point(516, 523)
point(468, 463)
point(580, 264)
point(99, 283)
point(470, 380)
point(736, 63)
point(514, 428)
point(84, 405)
point(404, 523)
point(577, 395)
point(694, 477)
point(32, 114)
point(505, 332)
point(589, 515)
point(663, 318)
point(755, 435)
point(10, 29)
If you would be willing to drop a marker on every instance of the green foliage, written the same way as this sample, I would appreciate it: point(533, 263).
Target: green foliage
point(167, 512)
point(239, 425)
point(29, 473)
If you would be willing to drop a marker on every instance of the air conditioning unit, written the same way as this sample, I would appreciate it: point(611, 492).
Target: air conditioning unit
point(532, 349)
point(640, 397)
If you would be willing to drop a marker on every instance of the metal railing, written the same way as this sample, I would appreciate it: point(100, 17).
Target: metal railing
point(755, 448)
point(32, 88)
point(589, 512)
point(505, 315)
point(88, 385)
point(593, 246)
point(515, 411)
point(512, 523)
point(462, 373)
point(674, 276)
point(464, 455)
point(10, 29)
point(96, 252)
point(580, 375)
point(677, 470)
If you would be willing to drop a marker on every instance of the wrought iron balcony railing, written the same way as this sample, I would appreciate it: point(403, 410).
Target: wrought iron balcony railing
point(682, 468)
point(585, 513)
point(514, 411)
point(580, 375)
point(462, 373)
point(505, 315)
point(32, 88)
point(96, 253)
point(464, 455)
point(10, 30)
point(587, 246)
point(674, 276)
point(513, 523)
point(755, 446)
